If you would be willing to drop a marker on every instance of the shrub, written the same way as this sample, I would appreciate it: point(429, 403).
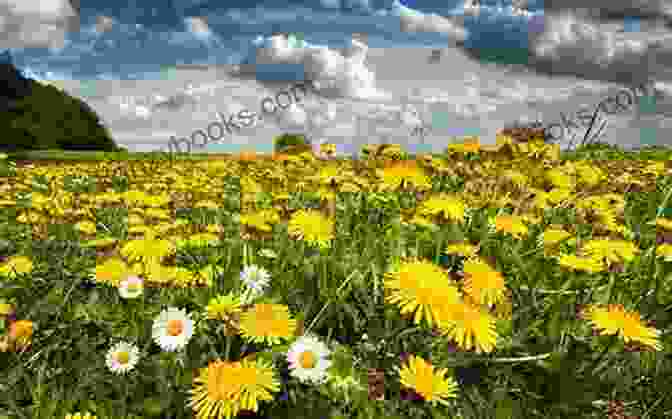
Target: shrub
point(291, 142)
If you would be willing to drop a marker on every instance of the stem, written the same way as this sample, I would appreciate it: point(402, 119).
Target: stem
point(519, 359)
point(545, 291)
point(661, 208)
point(227, 350)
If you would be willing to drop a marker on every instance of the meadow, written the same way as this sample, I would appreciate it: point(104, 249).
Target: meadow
point(509, 281)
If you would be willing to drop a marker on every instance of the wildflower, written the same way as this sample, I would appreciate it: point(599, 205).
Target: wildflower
point(451, 208)
point(80, 416)
point(614, 251)
point(664, 223)
point(430, 383)
point(402, 174)
point(111, 271)
point(122, 357)
point(131, 287)
point(20, 333)
point(468, 145)
point(582, 263)
point(307, 360)
point(420, 287)
point(86, 226)
point(147, 250)
point(512, 224)
point(172, 329)
point(223, 307)
point(664, 251)
point(16, 265)
point(256, 279)
point(312, 227)
point(469, 327)
point(553, 236)
point(482, 283)
point(615, 320)
point(225, 388)
point(462, 249)
point(269, 323)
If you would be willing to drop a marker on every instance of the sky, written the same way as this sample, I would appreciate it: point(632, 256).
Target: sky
point(604, 41)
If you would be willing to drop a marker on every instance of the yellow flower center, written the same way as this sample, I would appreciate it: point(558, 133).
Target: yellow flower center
point(307, 360)
point(175, 327)
point(122, 357)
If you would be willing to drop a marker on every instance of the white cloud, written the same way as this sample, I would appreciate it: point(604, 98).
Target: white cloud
point(334, 73)
point(419, 22)
point(36, 23)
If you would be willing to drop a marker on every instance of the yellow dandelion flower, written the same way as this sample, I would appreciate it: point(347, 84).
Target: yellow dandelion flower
point(614, 251)
point(511, 224)
point(552, 236)
point(111, 272)
point(470, 327)
point(312, 227)
point(420, 287)
point(406, 173)
point(225, 388)
point(462, 249)
point(449, 207)
point(615, 320)
point(665, 251)
point(468, 145)
point(582, 263)
point(482, 283)
point(516, 177)
point(86, 226)
point(21, 331)
point(557, 195)
point(147, 249)
point(664, 223)
point(16, 265)
point(80, 416)
point(270, 323)
point(223, 307)
point(429, 382)
point(559, 178)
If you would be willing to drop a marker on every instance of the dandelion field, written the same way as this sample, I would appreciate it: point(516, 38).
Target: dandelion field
point(485, 282)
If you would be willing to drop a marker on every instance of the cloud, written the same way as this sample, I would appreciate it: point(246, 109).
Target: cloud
point(104, 23)
point(585, 48)
point(36, 23)
point(332, 72)
point(418, 22)
point(198, 26)
point(612, 9)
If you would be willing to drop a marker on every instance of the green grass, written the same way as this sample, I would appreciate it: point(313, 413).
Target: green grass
point(549, 368)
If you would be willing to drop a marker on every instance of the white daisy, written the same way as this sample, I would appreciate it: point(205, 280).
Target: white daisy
point(307, 359)
point(131, 287)
point(256, 279)
point(122, 357)
point(172, 329)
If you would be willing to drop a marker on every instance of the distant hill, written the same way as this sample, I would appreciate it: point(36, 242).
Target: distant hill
point(35, 116)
